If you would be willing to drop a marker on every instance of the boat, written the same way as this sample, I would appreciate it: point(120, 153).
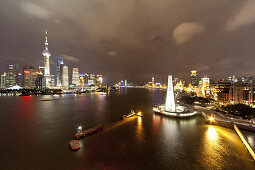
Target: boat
point(74, 144)
point(131, 114)
point(90, 131)
point(139, 114)
point(46, 99)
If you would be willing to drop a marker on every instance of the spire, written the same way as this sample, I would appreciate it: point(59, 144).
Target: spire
point(46, 40)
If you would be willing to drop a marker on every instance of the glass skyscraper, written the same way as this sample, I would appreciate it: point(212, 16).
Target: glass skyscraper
point(59, 77)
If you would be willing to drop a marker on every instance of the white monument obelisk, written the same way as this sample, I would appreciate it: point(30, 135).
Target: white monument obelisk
point(170, 102)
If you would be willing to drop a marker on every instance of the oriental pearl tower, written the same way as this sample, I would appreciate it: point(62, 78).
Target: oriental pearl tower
point(46, 53)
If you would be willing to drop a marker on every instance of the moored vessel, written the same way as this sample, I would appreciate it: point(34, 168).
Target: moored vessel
point(74, 144)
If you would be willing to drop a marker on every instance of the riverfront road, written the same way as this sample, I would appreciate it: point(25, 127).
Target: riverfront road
point(226, 121)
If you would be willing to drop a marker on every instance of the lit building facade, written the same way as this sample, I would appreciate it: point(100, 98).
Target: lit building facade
point(194, 78)
point(75, 76)
point(242, 93)
point(3, 80)
point(29, 77)
point(99, 80)
point(40, 82)
point(83, 79)
point(221, 91)
point(11, 79)
point(204, 86)
point(65, 77)
point(90, 80)
point(59, 75)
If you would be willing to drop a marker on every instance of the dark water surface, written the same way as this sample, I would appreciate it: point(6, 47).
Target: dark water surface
point(34, 134)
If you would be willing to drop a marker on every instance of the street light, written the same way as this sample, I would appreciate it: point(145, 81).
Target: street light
point(211, 119)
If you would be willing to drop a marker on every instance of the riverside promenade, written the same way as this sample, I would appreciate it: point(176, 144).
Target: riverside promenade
point(224, 120)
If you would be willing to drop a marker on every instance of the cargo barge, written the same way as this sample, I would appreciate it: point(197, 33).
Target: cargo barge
point(90, 131)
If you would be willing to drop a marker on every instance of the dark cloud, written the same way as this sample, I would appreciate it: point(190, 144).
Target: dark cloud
point(133, 39)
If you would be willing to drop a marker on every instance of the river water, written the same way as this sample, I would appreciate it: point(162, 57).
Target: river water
point(34, 134)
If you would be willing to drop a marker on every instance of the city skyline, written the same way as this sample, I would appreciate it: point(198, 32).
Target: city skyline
point(101, 42)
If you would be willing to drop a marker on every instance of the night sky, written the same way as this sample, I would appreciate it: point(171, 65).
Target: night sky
point(132, 39)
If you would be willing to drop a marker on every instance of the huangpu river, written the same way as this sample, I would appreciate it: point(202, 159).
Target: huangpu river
point(35, 134)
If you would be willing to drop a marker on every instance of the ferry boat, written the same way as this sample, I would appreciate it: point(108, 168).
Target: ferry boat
point(74, 144)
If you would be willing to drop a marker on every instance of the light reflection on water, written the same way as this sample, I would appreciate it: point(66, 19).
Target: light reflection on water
point(164, 143)
point(212, 135)
point(139, 130)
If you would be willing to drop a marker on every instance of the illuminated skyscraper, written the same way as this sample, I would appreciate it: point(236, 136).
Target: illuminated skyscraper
point(99, 80)
point(194, 79)
point(11, 79)
point(92, 79)
point(60, 63)
point(65, 77)
point(29, 77)
point(3, 80)
point(75, 76)
point(46, 53)
point(205, 85)
point(125, 83)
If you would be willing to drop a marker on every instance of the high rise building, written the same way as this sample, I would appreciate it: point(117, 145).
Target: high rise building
point(125, 83)
point(92, 79)
point(194, 79)
point(81, 80)
point(61, 74)
point(11, 79)
point(40, 82)
point(52, 80)
point(46, 53)
point(60, 63)
point(99, 80)
point(29, 77)
point(205, 86)
point(65, 77)
point(3, 80)
point(75, 76)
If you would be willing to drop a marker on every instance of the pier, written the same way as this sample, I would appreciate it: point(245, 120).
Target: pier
point(243, 139)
